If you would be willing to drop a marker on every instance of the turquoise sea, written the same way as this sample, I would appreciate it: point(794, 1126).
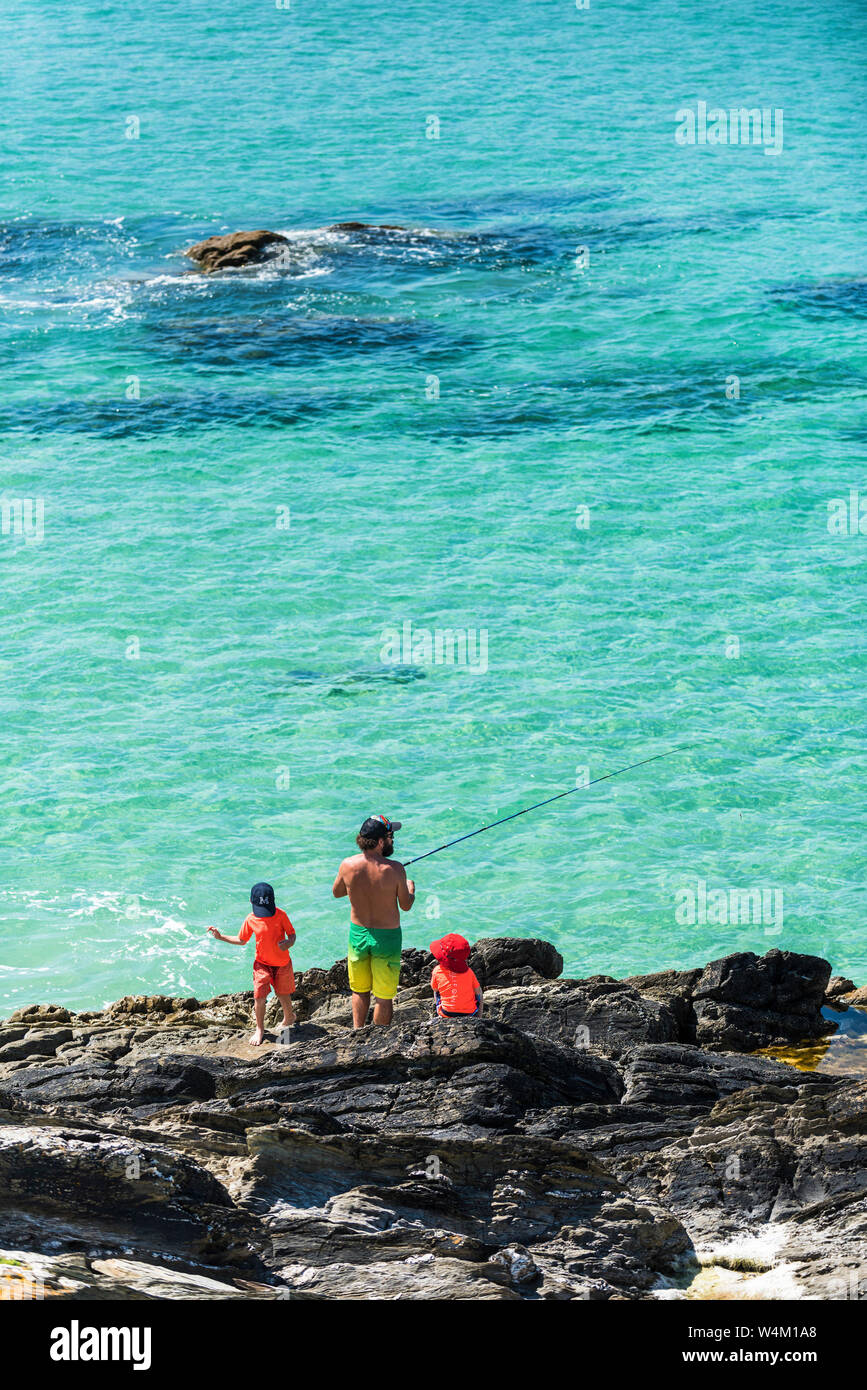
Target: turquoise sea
point(236, 485)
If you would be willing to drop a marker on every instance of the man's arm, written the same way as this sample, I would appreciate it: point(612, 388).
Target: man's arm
point(340, 889)
point(405, 889)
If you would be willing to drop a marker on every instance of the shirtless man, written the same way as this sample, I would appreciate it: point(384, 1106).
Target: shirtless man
point(376, 889)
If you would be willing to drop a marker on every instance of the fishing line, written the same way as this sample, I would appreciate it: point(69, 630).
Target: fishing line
point(547, 802)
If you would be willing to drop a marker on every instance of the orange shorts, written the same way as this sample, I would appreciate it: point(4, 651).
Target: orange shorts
point(282, 977)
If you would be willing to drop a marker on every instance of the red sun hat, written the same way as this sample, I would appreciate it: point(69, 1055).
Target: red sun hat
point(452, 951)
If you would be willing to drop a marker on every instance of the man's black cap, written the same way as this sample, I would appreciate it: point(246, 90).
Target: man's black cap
point(262, 898)
point(378, 828)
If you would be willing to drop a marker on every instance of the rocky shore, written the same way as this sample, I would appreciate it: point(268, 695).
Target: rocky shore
point(589, 1139)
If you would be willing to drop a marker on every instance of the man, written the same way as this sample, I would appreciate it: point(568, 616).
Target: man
point(377, 889)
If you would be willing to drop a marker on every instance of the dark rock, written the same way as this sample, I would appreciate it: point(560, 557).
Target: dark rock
point(236, 250)
point(689, 1076)
point(435, 1279)
point(365, 227)
point(773, 981)
point(604, 1014)
point(472, 1080)
point(744, 1002)
point(506, 960)
point(398, 1200)
point(41, 1042)
point(726, 1026)
point(573, 1142)
point(415, 968)
point(103, 1086)
point(791, 1156)
point(122, 1195)
point(675, 988)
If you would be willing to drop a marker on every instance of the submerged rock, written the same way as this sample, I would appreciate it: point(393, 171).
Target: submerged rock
point(581, 1140)
point(365, 227)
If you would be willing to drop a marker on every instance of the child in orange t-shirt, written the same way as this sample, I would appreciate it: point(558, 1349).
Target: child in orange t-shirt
point(457, 992)
point(274, 935)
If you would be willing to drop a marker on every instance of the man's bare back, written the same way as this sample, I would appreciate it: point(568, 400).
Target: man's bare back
point(378, 891)
point(377, 888)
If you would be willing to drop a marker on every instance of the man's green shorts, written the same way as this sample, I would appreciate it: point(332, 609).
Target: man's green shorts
point(374, 960)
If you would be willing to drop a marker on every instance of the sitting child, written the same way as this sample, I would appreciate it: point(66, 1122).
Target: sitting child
point(457, 992)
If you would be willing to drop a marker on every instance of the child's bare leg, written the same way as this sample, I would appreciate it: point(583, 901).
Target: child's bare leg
point(258, 1035)
point(288, 1011)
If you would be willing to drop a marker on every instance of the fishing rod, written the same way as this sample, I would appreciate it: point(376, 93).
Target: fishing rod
point(547, 802)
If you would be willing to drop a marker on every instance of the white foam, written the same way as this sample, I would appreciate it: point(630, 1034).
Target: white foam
point(761, 1248)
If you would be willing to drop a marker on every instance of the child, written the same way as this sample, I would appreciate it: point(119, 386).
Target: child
point(457, 992)
point(274, 935)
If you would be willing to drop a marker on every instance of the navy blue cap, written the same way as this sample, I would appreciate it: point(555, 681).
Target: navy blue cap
point(262, 898)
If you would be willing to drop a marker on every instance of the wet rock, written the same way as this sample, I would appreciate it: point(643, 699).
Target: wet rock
point(856, 996)
point(236, 250)
point(787, 1161)
point(837, 985)
point(365, 227)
